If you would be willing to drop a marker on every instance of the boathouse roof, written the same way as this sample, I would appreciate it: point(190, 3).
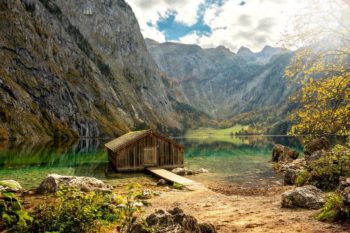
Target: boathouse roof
point(132, 137)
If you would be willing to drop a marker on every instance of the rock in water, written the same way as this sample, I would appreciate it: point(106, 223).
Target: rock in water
point(316, 145)
point(10, 186)
point(179, 171)
point(202, 170)
point(174, 221)
point(186, 172)
point(282, 153)
point(53, 181)
point(307, 196)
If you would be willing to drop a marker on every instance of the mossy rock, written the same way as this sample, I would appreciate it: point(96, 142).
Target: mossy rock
point(10, 186)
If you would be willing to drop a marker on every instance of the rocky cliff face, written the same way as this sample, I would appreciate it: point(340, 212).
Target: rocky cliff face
point(76, 68)
point(222, 83)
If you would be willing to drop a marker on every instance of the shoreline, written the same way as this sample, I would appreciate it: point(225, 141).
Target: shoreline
point(247, 211)
point(230, 208)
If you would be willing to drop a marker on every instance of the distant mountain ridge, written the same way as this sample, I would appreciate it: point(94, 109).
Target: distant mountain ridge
point(222, 83)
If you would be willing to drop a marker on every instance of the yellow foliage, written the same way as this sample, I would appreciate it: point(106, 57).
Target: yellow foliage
point(323, 72)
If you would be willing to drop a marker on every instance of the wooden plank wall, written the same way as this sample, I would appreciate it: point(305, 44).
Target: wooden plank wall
point(131, 158)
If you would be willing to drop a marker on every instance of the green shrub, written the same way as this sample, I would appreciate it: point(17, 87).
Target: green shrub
point(333, 209)
point(302, 178)
point(13, 217)
point(131, 209)
point(74, 211)
point(178, 186)
point(325, 172)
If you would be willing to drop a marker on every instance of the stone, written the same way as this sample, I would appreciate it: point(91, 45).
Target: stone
point(344, 182)
point(162, 182)
point(290, 175)
point(202, 170)
point(187, 172)
point(316, 145)
point(179, 171)
point(10, 186)
point(207, 228)
point(174, 221)
point(282, 153)
point(52, 182)
point(190, 172)
point(147, 194)
point(295, 164)
point(137, 204)
point(308, 197)
point(314, 156)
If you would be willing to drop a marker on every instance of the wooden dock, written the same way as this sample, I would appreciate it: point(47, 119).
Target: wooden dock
point(173, 178)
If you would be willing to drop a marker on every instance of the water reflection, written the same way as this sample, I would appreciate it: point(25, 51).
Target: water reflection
point(230, 159)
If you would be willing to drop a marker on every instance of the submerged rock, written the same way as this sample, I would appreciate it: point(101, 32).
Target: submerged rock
point(282, 153)
point(202, 170)
point(186, 172)
point(307, 196)
point(316, 145)
point(174, 221)
point(53, 181)
point(179, 171)
point(10, 186)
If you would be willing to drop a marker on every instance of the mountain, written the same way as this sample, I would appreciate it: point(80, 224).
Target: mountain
point(222, 83)
point(77, 68)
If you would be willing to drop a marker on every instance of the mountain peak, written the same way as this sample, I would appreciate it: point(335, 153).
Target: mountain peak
point(149, 42)
point(244, 50)
point(268, 48)
point(223, 49)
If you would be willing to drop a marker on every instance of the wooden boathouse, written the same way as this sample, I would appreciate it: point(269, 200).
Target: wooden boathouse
point(139, 150)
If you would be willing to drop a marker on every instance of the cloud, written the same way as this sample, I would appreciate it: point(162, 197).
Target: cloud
point(211, 23)
point(245, 20)
point(266, 24)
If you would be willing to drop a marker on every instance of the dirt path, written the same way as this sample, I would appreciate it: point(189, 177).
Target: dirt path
point(244, 213)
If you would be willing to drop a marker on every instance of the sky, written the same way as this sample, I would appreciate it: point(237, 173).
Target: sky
point(211, 23)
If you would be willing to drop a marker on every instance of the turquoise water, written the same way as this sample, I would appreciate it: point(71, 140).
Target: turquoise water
point(233, 160)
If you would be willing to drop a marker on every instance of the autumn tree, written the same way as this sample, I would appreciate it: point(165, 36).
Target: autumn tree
point(321, 66)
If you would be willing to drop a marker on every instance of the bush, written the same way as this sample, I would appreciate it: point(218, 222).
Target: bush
point(71, 210)
point(14, 218)
point(74, 211)
point(178, 186)
point(333, 209)
point(131, 209)
point(302, 178)
point(325, 172)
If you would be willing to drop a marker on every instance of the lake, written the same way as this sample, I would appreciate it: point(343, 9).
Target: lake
point(242, 160)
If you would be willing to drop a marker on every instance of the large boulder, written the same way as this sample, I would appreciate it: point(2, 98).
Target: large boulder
point(10, 186)
point(282, 153)
point(316, 145)
point(316, 155)
point(174, 221)
point(53, 182)
point(307, 196)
